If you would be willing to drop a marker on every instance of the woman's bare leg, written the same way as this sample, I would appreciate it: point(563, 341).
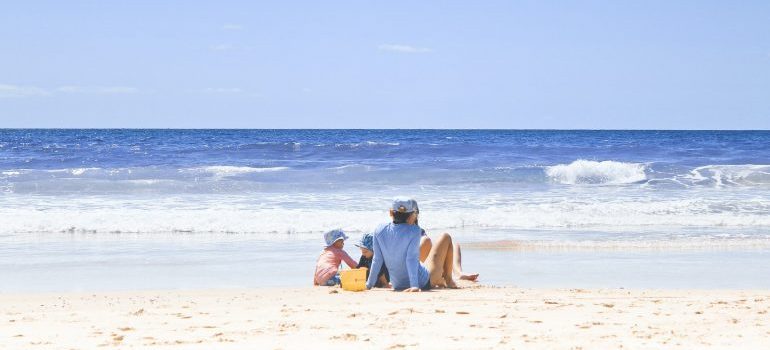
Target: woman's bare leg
point(458, 265)
point(425, 245)
point(440, 262)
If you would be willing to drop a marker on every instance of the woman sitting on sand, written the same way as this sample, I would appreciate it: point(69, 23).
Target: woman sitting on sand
point(397, 245)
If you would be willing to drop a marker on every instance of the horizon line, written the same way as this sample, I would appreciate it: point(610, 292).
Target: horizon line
point(378, 129)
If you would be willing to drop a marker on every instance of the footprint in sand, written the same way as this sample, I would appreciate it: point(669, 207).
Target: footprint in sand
point(345, 337)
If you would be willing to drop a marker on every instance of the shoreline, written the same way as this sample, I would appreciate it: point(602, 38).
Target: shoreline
point(106, 263)
point(476, 316)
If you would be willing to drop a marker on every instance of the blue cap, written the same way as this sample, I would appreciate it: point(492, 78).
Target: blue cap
point(367, 241)
point(404, 205)
point(333, 236)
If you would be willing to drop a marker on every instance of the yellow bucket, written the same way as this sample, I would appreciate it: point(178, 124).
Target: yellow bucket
point(353, 280)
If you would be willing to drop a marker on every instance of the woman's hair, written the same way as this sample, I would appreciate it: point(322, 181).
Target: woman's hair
point(400, 218)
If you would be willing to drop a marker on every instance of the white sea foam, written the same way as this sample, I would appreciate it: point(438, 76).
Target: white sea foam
point(352, 167)
point(366, 143)
point(307, 213)
point(81, 171)
point(722, 175)
point(592, 172)
point(221, 170)
point(226, 170)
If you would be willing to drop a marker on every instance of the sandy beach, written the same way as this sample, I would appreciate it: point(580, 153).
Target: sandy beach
point(475, 317)
point(178, 175)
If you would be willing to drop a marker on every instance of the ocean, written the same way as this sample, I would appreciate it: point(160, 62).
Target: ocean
point(117, 209)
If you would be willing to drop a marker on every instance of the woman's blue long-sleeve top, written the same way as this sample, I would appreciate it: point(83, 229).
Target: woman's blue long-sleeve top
point(398, 246)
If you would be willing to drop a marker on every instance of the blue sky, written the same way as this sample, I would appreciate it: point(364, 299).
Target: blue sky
point(388, 64)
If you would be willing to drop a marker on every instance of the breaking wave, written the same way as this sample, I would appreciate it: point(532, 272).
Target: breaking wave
point(593, 172)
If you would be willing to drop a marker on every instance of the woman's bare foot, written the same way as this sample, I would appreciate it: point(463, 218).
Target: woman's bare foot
point(451, 284)
point(472, 277)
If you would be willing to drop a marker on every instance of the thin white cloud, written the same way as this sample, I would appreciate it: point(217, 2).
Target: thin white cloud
point(232, 26)
point(17, 91)
point(98, 90)
point(404, 48)
point(221, 90)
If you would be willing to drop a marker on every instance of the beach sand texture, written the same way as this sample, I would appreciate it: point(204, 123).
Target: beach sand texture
point(475, 317)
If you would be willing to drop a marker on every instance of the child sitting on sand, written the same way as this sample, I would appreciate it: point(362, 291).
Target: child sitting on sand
point(330, 259)
point(367, 252)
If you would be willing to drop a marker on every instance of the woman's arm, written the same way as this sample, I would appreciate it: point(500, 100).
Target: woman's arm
point(413, 261)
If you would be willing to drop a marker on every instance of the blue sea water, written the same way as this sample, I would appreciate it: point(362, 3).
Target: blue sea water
point(78, 200)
